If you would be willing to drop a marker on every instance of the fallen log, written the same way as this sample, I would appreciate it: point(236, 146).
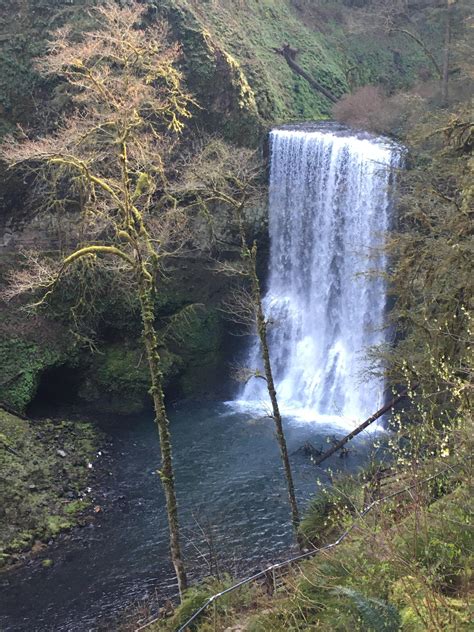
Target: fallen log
point(308, 450)
point(339, 444)
point(290, 56)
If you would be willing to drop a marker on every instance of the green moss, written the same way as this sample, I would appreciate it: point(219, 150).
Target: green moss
point(21, 365)
point(56, 524)
point(37, 479)
point(76, 506)
point(23, 36)
point(47, 563)
point(198, 340)
point(118, 380)
point(191, 338)
point(239, 80)
point(197, 595)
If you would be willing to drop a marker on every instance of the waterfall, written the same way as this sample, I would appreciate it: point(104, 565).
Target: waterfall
point(329, 208)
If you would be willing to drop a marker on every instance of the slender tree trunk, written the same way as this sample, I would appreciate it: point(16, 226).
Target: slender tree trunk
point(262, 334)
point(422, 45)
point(446, 54)
point(161, 418)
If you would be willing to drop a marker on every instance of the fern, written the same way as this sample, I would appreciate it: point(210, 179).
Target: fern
point(377, 615)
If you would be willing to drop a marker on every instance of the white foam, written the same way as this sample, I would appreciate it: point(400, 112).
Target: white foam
point(329, 209)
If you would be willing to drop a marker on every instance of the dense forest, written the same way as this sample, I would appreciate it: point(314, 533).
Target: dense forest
point(236, 237)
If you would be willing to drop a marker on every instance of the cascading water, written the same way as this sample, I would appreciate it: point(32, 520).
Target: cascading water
point(329, 210)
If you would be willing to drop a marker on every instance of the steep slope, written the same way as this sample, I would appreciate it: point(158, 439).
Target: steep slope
point(247, 34)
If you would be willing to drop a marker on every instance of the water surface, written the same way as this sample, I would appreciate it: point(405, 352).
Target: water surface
point(230, 486)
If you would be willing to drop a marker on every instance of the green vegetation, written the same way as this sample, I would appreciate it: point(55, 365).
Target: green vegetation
point(249, 31)
point(23, 31)
point(45, 471)
point(22, 363)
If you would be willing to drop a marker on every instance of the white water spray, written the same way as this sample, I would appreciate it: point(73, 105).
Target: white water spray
point(329, 211)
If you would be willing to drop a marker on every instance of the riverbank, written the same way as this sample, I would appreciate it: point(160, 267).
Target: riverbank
point(49, 473)
point(405, 562)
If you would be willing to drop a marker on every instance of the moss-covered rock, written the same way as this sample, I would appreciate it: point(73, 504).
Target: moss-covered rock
point(45, 468)
point(117, 378)
point(21, 365)
point(198, 340)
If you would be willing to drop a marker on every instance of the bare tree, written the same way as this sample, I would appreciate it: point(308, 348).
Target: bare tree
point(108, 156)
point(231, 177)
point(409, 19)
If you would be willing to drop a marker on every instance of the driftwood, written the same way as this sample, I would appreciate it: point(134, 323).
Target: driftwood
point(290, 54)
point(339, 444)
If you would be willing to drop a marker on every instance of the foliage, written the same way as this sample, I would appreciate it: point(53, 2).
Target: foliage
point(431, 280)
point(224, 609)
point(376, 615)
point(333, 507)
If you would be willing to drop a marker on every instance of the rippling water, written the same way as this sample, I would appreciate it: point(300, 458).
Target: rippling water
point(230, 483)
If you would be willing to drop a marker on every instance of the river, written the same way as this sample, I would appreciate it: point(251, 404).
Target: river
point(230, 483)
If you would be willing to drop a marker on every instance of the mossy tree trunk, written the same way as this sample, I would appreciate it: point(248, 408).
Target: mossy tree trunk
point(161, 418)
point(111, 156)
point(235, 181)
